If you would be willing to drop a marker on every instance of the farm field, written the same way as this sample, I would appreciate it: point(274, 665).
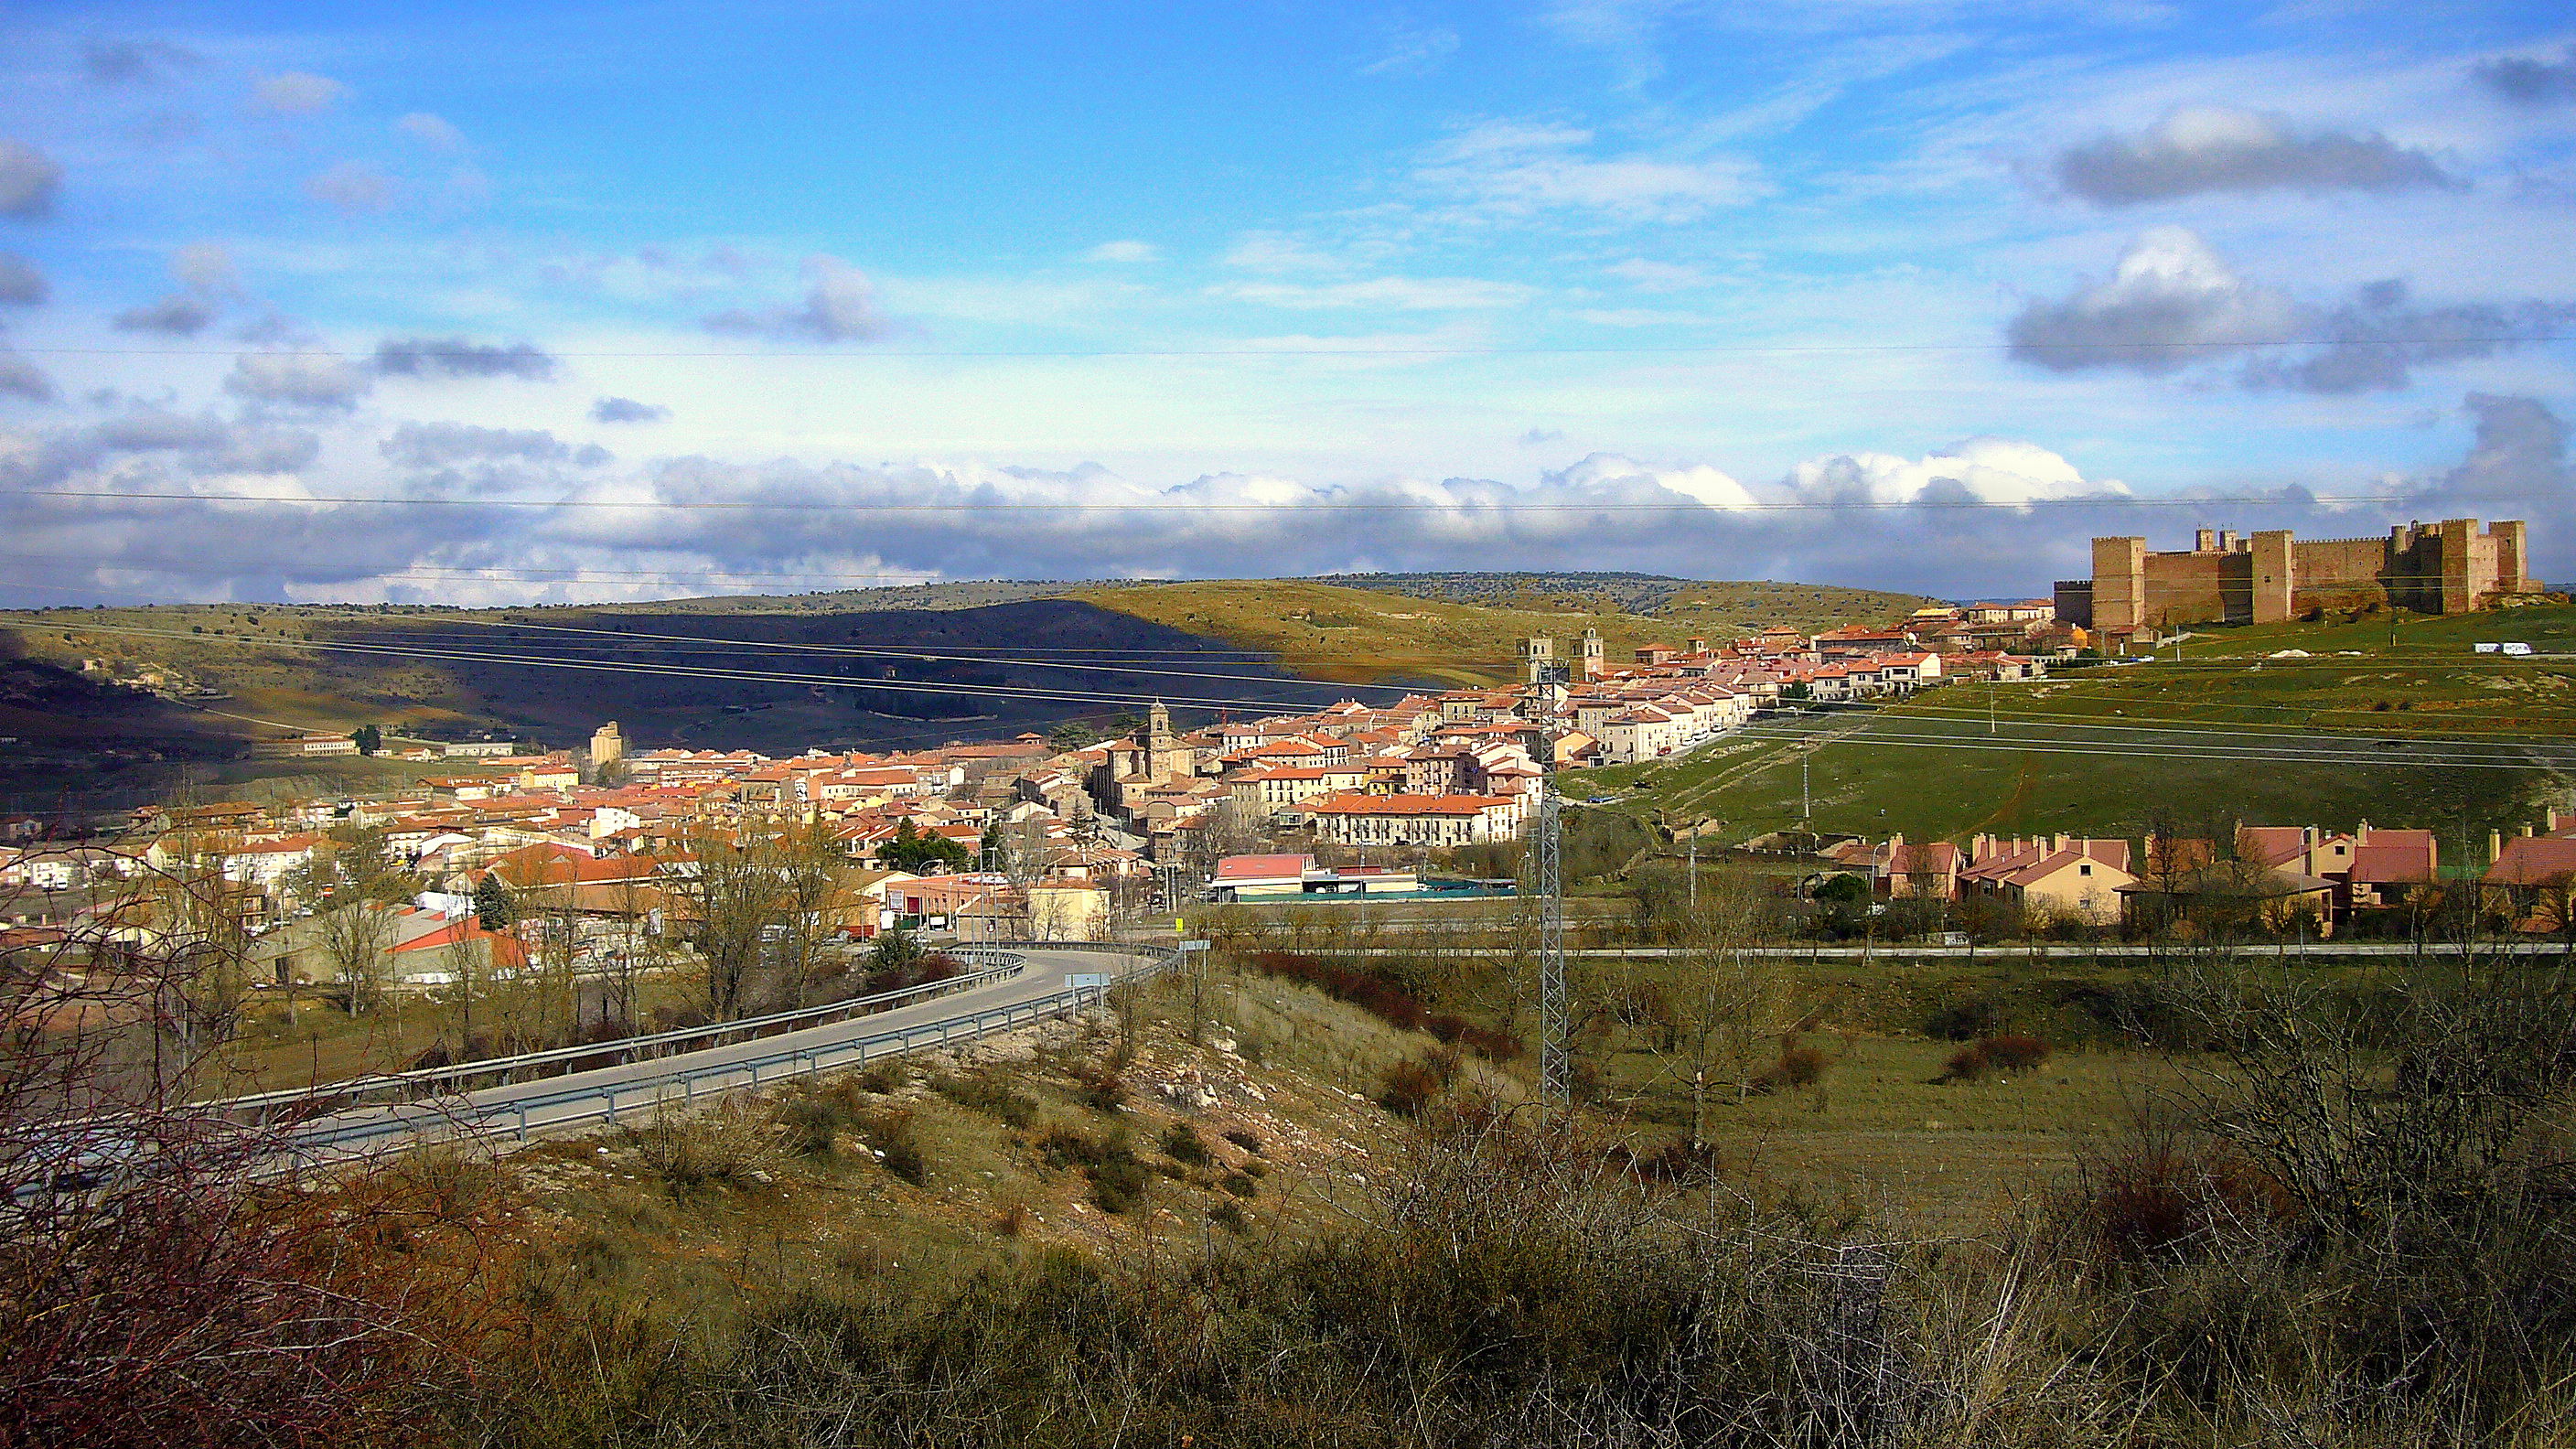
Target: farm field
point(2423, 732)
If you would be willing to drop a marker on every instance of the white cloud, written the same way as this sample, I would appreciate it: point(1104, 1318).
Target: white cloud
point(1635, 317)
point(1517, 170)
point(1124, 251)
point(2171, 302)
point(351, 187)
point(297, 93)
point(1411, 294)
point(1651, 276)
point(840, 306)
point(1263, 251)
point(435, 132)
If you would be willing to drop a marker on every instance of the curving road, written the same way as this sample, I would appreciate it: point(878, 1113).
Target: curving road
point(1055, 980)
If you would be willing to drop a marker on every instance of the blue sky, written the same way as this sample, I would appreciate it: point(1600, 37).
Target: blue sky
point(1772, 288)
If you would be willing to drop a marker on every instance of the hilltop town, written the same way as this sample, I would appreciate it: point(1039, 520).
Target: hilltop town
point(1074, 835)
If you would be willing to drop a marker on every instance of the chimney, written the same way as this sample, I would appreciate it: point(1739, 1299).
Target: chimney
point(2495, 846)
point(1977, 846)
point(2361, 833)
point(2553, 820)
point(2526, 832)
point(2057, 842)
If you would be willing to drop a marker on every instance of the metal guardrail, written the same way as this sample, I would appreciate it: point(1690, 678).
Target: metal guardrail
point(1001, 964)
point(541, 1111)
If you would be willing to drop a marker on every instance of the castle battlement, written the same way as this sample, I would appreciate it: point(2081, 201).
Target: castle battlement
point(2450, 567)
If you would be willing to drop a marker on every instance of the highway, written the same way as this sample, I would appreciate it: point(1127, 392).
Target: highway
point(1053, 979)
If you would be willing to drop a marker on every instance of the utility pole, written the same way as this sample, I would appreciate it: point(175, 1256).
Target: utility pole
point(1694, 873)
point(1547, 877)
point(1806, 806)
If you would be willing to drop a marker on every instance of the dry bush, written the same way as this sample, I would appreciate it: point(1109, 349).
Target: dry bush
point(987, 1093)
point(895, 1143)
point(1409, 1087)
point(1243, 1139)
point(733, 1144)
point(2010, 1053)
point(1797, 1066)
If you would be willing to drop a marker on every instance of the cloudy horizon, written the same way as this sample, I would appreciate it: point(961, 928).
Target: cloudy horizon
point(1888, 296)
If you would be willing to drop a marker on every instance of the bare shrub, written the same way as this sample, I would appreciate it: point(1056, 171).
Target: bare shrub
point(732, 1144)
point(1408, 1087)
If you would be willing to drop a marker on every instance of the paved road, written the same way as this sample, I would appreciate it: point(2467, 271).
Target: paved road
point(1044, 987)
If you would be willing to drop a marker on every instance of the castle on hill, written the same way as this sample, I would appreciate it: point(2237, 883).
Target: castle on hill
point(2450, 567)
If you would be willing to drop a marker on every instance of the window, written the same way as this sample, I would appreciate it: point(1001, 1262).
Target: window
point(2084, 870)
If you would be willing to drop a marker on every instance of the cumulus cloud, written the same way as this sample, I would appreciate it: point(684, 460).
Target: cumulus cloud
point(180, 315)
point(1541, 437)
point(23, 379)
point(2173, 302)
point(351, 187)
point(438, 445)
point(1980, 516)
point(1124, 251)
point(1511, 169)
point(456, 357)
point(2169, 303)
point(626, 410)
point(297, 93)
point(840, 306)
point(2372, 341)
point(136, 62)
point(2525, 81)
point(20, 283)
point(29, 180)
point(2517, 465)
point(435, 132)
point(321, 381)
point(2202, 149)
point(261, 451)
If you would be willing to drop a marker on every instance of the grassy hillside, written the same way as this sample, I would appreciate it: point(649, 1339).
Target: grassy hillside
point(1359, 634)
point(2421, 731)
point(1715, 609)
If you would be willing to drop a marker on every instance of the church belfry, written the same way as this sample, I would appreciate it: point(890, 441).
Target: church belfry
point(1158, 742)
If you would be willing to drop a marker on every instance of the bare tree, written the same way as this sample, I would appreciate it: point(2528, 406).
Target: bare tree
point(354, 939)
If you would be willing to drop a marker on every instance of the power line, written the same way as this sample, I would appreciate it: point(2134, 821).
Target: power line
point(2121, 500)
point(1625, 350)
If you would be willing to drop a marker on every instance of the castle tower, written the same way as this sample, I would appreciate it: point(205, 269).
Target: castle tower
point(2120, 581)
point(1591, 663)
point(2275, 575)
point(607, 746)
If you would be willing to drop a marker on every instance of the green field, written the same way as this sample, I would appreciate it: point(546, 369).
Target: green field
point(2419, 732)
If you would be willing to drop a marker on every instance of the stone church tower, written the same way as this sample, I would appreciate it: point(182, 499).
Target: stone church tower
point(1160, 750)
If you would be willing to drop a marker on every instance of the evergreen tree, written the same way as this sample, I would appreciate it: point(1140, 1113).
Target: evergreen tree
point(371, 740)
point(492, 906)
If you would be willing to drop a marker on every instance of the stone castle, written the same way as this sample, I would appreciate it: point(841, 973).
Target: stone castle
point(2450, 567)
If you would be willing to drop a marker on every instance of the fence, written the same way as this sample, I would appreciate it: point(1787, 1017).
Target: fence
point(577, 1102)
